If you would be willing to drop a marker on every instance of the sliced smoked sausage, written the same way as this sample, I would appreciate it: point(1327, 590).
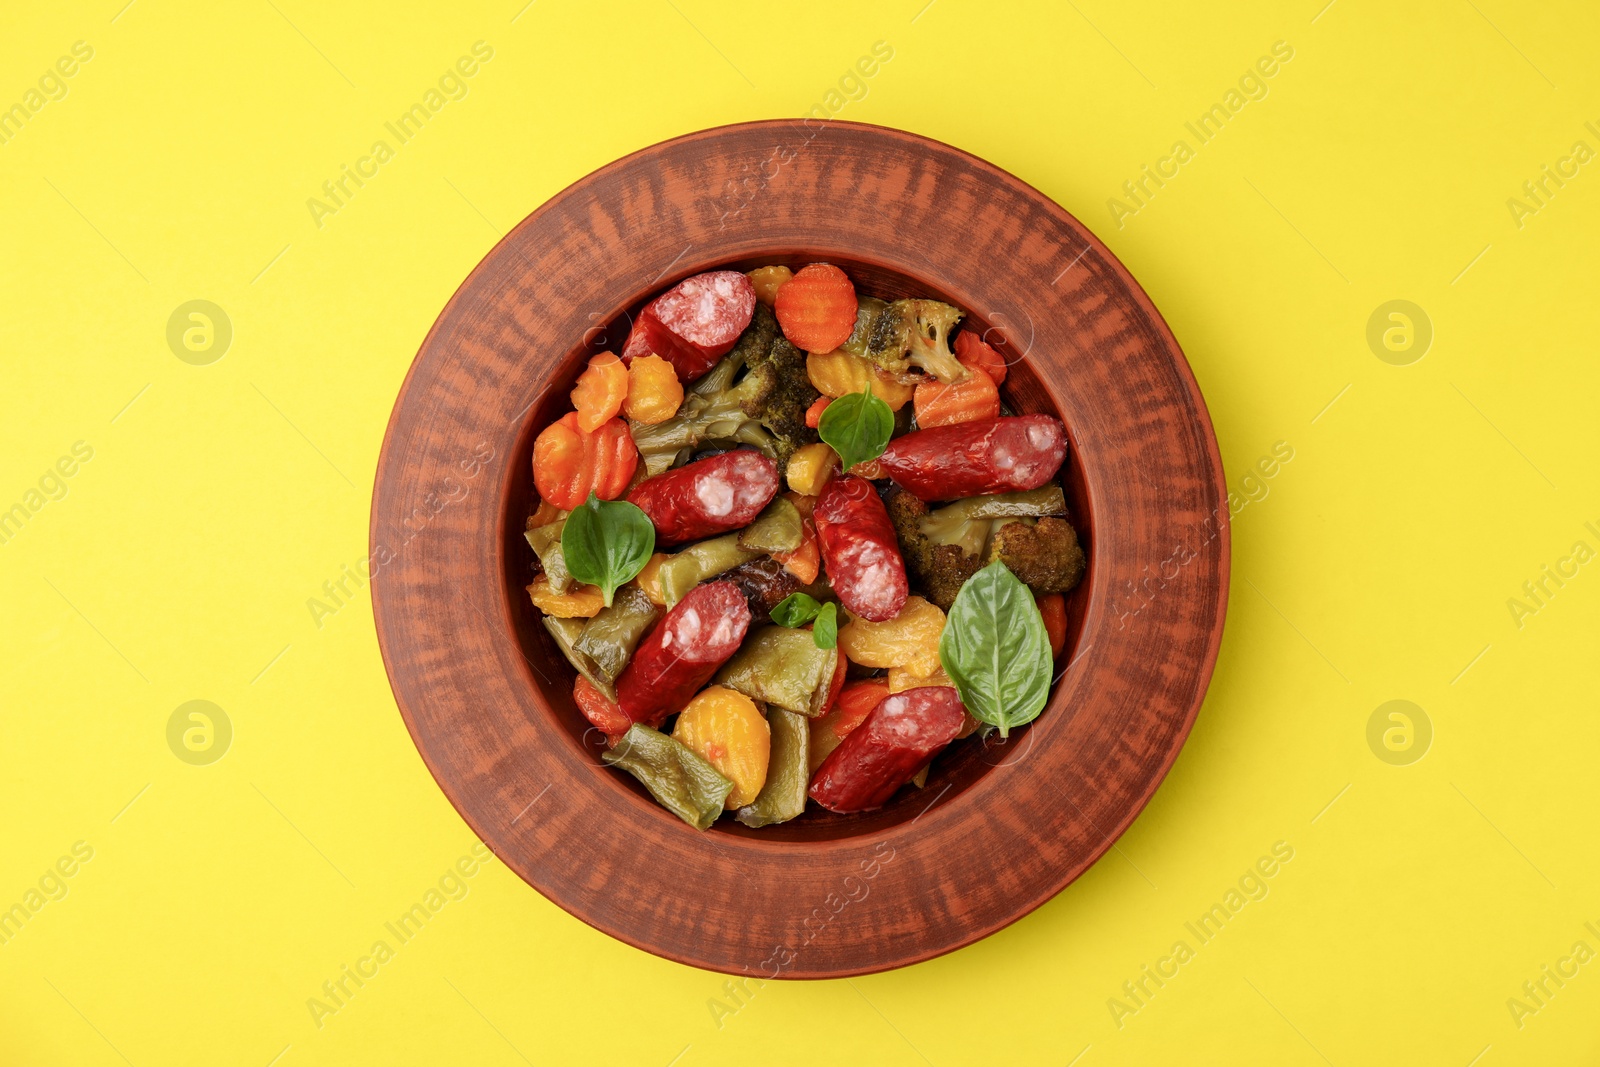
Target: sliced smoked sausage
point(1005, 454)
point(898, 737)
point(707, 497)
point(859, 549)
point(678, 657)
point(695, 323)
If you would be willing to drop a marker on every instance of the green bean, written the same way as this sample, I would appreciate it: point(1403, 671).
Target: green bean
point(684, 783)
point(609, 638)
point(546, 543)
point(1047, 500)
point(966, 522)
point(784, 668)
point(683, 571)
point(776, 529)
point(566, 633)
point(784, 794)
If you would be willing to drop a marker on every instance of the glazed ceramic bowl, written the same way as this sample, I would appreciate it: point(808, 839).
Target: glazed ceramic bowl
point(999, 828)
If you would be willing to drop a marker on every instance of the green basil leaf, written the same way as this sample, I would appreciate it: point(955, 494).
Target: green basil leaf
point(825, 631)
point(995, 648)
point(796, 609)
point(607, 542)
point(858, 427)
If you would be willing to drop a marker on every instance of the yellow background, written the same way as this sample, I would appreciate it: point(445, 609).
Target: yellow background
point(1378, 566)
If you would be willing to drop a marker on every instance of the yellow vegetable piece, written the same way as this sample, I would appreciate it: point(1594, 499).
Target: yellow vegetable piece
point(649, 579)
point(839, 373)
point(909, 640)
point(767, 282)
point(654, 392)
point(580, 602)
point(903, 678)
point(811, 468)
point(546, 514)
point(727, 730)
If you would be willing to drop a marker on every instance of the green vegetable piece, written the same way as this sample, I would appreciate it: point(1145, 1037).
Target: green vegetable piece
point(546, 544)
point(704, 559)
point(968, 524)
point(1032, 503)
point(995, 648)
point(788, 773)
point(776, 529)
point(858, 427)
point(782, 667)
point(765, 408)
point(868, 308)
point(825, 631)
point(566, 633)
point(796, 609)
point(681, 781)
point(609, 638)
point(607, 542)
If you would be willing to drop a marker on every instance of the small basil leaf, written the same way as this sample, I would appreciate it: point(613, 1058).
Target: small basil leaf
point(858, 427)
point(607, 542)
point(796, 609)
point(825, 631)
point(995, 648)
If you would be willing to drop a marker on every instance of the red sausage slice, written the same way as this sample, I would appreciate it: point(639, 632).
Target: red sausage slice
point(699, 634)
point(860, 550)
point(695, 323)
point(885, 752)
point(706, 497)
point(1005, 454)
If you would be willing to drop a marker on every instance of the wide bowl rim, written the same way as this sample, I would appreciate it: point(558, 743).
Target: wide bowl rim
point(384, 495)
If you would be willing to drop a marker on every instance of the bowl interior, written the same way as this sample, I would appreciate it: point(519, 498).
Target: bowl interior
point(552, 676)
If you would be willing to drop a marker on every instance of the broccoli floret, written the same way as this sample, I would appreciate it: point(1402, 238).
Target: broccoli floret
point(939, 569)
point(962, 522)
point(785, 394)
point(1045, 554)
point(943, 548)
point(765, 408)
point(916, 334)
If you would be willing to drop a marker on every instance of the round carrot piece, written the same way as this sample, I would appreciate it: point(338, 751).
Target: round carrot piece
point(817, 308)
point(600, 391)
point(963, 400)
point(569, 463)
point(814, 412)
point(975, 354)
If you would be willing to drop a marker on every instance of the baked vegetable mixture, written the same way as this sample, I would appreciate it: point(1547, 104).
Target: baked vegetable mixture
point(744, 645)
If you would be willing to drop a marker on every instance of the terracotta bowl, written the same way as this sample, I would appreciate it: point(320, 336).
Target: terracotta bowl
point(998, 829)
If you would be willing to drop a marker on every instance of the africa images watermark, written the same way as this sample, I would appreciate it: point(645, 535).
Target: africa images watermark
point(738, 991)
point(1139, 191)
point(739, 193)
point(1138, 992)
point(338, 991)
point(52, 85)
point(341, 590)
point(1539, 591)
point(52, 486)
point(1253, 488)
point(339, 190)
point(1538, 992)
point(1537, 192)
point(51, 886)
